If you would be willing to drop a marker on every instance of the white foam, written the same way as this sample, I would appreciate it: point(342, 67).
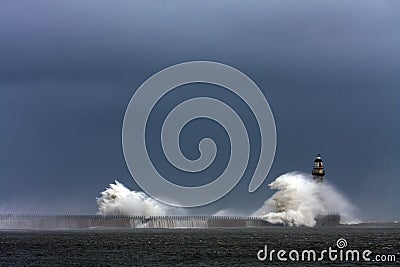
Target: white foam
point(300, 199)
point(119, 200)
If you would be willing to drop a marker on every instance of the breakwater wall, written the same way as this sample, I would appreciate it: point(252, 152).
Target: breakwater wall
point(40, 221)
point(64, 221)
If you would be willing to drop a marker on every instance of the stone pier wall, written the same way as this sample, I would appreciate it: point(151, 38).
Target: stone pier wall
point(33, 221)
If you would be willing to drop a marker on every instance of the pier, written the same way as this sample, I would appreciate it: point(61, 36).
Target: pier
point(65, 221)
point(44, 221)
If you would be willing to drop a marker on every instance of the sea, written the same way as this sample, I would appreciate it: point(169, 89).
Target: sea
point(376, 245)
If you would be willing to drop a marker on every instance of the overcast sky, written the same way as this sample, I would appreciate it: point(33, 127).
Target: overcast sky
point(329, 69)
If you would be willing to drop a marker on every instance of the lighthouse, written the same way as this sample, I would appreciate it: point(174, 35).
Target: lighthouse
point(318, 171)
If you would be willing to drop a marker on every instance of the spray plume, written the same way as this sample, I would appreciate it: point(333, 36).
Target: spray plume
point(119, 200)
point(300, 200)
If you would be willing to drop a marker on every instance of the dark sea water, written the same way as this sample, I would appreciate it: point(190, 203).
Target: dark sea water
point(190, 247)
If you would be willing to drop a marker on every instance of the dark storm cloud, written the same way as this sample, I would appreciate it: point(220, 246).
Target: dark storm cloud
point(68, 69)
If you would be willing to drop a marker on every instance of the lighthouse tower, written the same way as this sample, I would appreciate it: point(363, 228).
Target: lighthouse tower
point(318, 171)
